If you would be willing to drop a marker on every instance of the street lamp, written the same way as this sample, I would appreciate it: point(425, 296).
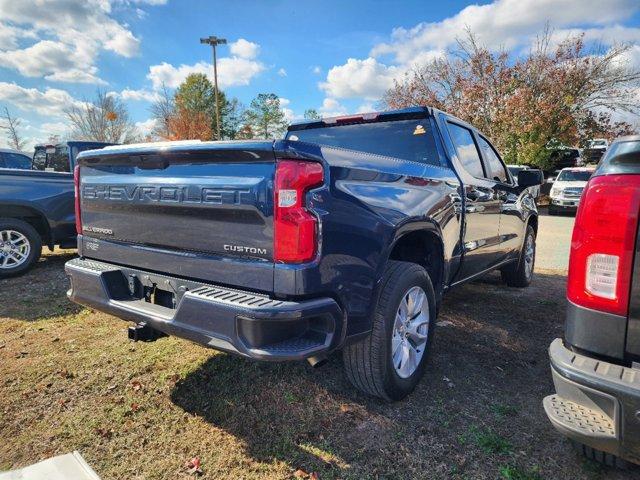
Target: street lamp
point(213, 41)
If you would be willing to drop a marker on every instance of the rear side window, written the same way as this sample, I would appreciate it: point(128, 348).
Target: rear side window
point(622, 157)
point(496, 167)
point(406, 139)
point(466, 149)
point(15, 160)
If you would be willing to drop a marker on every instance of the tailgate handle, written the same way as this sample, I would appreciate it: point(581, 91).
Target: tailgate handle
point(149, 162)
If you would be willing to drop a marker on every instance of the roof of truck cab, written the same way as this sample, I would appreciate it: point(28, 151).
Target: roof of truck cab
point(176, 146)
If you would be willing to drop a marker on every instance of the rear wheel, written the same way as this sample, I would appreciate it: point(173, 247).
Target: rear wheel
point(520, 274)
point(20, 247)
point(391, 360)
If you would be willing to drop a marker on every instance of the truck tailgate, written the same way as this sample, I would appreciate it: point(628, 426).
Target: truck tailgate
point(215, 203)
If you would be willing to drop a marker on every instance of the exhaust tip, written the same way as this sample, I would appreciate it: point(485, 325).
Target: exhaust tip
point(317, 361)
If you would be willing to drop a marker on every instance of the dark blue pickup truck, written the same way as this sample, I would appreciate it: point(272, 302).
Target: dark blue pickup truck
point(344, 235)
point(37, 206)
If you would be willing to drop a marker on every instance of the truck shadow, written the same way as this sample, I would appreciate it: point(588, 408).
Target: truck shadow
point(489, 355)
point(40, 293)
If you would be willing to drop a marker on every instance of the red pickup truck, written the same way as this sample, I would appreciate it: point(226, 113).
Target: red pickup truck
point(596, 367)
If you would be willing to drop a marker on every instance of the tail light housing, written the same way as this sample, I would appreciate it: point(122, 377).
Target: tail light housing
point(603, 244)
point(295, 228)
point(76, 188)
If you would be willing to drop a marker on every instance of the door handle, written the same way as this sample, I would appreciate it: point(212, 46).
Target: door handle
point(478, 195)
point(474, 208)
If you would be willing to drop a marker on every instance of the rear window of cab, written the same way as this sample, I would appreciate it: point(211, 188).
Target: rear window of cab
point(406, 139)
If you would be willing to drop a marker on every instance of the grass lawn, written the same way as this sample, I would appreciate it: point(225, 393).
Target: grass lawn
point(70, 380)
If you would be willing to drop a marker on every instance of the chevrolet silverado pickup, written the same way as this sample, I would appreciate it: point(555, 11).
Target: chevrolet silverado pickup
point(37, 207)
point(343, 235)
point(596, 367)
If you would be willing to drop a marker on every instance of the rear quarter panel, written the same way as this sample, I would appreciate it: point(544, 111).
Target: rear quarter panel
point(367, 204)
point(50, 194)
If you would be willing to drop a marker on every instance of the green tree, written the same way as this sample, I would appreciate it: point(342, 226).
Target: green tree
point(231, 119)
point(312, 114)
point(196, 95)
point(265, 117)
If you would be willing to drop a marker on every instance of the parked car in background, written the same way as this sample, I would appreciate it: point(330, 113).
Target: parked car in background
point(515, 170)
point(594, 150)
point(567, 189)
point(344, 235)
point(10, 158)
point(37, 207)
point(564, 157)
point(595, 367)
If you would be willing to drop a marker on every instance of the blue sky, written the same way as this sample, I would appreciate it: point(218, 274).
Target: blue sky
point(335, 56)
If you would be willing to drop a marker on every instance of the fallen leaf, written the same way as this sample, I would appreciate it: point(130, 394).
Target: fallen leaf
point(314, 476)
point(193, 466)
point(136, 385)
point(104, 433)
point(300, 474)
point(135, 407)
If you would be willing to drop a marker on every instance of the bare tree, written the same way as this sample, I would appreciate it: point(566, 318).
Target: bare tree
point(11, 126)
point(105, 119)
point(163, 110)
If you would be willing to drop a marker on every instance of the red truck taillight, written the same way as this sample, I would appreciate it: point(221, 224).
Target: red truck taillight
point(76, 188)
point(603, 244)
point(295, 229)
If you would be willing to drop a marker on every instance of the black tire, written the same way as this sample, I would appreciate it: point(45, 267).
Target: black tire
point(518, 274)
point(35, 246)
point(599, 456)
point(368, 363)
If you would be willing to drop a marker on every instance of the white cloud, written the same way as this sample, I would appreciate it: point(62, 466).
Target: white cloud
point(147, 126)
point(54, 128)
point(332, 108)
point(71, 35)
point(366, 108)
point(503, 23)
point(51, 102)
point(244, 49)
point(9, 36)
point(282, 72)
point(141, 95)
point(232, 71)
point(367, 79)
point(316, 69)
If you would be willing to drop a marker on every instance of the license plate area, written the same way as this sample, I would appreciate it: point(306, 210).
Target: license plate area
point(155, 289)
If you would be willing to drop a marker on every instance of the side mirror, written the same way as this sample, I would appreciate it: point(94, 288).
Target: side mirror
point(530, 178)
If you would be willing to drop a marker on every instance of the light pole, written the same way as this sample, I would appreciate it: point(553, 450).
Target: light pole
point(213, 41)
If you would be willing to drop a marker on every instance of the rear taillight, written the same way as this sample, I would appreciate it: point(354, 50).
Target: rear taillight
point(295, 229)
point(603, 243)
point(76, 188)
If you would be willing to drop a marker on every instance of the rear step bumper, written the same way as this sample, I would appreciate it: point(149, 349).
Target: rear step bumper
point(596, 403)
point(230, 320)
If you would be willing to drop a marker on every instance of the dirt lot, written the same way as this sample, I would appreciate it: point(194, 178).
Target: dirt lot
point(70, 380)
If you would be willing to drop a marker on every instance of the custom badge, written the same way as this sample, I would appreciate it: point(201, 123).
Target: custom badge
point(419, 130)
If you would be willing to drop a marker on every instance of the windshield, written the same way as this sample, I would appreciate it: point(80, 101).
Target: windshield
point(574, 176)
point(407, 139)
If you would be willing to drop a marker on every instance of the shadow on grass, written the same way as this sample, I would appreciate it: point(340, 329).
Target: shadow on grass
point(494, 349)
point(41, 292)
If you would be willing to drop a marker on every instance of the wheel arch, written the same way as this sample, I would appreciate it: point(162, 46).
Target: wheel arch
point(421, 243)
point(32, 216)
